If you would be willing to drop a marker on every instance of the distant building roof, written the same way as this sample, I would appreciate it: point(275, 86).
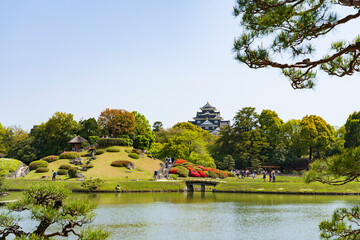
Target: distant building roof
point(78, 139)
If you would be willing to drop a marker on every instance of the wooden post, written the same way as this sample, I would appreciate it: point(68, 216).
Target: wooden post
point(202, 188)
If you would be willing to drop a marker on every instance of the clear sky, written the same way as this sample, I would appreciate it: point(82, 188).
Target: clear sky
point(162, 58)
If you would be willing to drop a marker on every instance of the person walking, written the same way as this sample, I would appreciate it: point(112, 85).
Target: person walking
point(156, 173)
point(270, 177)
point(273, 175)
point(264, 175)
point(54, 175)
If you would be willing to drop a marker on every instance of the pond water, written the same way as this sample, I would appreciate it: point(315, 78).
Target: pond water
point(212, 215)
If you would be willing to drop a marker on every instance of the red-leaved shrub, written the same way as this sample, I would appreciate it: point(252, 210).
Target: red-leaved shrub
point(202, 174)
point(194, 174)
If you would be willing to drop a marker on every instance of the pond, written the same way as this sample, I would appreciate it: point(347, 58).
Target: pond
point(212, 215)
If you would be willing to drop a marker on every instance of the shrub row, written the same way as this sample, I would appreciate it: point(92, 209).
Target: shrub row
point(107, 142)
point(120, 163)
point(69, 155)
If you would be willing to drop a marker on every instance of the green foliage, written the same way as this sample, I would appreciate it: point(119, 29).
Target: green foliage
point(51, 158)
point(69, 155)
point(62, 172)
point(230, 174)
point(158, 126)
point(113, 149)
point(144, 136)
point(127, 150)
point(183, 172)
point(133, 155)
point(317, 135)
point(89, 127)
point(72, 172)
point(222, 175)
point(92, 184)
point(23, 150)
point(42, 170)
point(143, 141)
point(47, 205)
point(93, 234)
point(8, 165)
point(99, 151)
point(65, 166)
point(211, 174)
point(94, 140)
point(352, 130)
point(107, 142)
point(36, 164)
point(227, 163)
point(120, 163)
point(288, 29)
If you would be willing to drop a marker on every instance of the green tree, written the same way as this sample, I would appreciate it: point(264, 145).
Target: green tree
point(23, 150)
point(157, 126)
point(352, 130)
point(144, 136)
point(288, 28)
point(228, 163)
point(2, 141)
point(317, 134)
point(49, 205)
point(116, 122)
point(89, 127)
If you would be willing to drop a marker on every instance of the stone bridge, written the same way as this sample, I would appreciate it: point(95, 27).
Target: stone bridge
point(190, 184)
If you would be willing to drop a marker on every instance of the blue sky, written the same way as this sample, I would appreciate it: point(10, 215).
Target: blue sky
point(164, 59)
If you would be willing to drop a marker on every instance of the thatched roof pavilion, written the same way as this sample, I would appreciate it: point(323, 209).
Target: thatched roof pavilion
point(76, 142)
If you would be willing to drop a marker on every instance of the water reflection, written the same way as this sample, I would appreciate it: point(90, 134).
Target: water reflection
point(212, 215)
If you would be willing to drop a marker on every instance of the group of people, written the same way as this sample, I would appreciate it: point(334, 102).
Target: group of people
point(168, 161)
point(271, 174)
point(247, 173)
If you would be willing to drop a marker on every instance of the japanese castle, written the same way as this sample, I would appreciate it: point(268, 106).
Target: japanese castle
point(209, 119)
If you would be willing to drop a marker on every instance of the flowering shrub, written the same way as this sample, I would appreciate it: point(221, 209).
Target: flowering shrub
point(230, 174)
point(51, 158)
point(211, 174)
point(194, 174)
point(180, 161)
point(174, 170)
point(201, 167)
point(120, 163)
point(202, 174)
point(191, 169)
point(36, 164)
point(69, 155)
point(222, 175)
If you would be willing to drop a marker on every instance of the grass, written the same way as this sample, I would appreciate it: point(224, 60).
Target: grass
point(284, 184)
point(102, 169)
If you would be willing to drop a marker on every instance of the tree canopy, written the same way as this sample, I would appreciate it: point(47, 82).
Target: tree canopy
point(286, 29)
point(116, 122)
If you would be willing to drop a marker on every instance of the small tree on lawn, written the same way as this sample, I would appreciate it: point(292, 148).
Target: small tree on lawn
point(48, 205)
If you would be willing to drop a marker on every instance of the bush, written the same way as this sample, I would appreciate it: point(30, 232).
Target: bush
point(183, 172)
point(107, 142)
point(89, 165)
point(42, 170)
point(133, 155)
point(128, 150)
point(230, 174)
point(120, 163)
point(69, 155)
point(36, 164)
point(222, 175)
point(194, 174)
point(149, 156)
point(72, 172)
point(99, 151)
point(113, 149)
point(85, 145)
point(62, 172)
point(92, 184)
point(65, 166)
point(202, 174)
point(173, 176)
point(51, 158)
point(135, 151)
point(211, 174)
point(94, 140)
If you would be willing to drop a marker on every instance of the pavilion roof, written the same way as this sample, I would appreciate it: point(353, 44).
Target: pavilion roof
point(78, 139)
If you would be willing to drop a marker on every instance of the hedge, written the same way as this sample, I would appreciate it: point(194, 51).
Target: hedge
point(36, 164)
point(107, 142)
point(42, 170)
point(99, 151)
point(65, 166)
point(133, 155)
point(69, 155)
point(113, 149)
point(51, 158)
point(94, 140)
point(120, 163)
point(62, 172)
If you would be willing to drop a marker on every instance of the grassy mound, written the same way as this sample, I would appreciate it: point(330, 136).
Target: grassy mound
point(102, 167)
point(8, 165)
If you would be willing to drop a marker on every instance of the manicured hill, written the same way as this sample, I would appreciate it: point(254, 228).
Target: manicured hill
point(102, 169)
point(8, 165)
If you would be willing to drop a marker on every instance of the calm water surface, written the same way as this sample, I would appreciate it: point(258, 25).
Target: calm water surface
point(212, 215)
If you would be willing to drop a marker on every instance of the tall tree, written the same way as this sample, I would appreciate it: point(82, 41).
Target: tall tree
point(288, 28)
point(317, 135)
point(352, 130)
point(116, 122)
point(157, 126)
point(89, 127)
point(2, 141)
point(144, 136)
